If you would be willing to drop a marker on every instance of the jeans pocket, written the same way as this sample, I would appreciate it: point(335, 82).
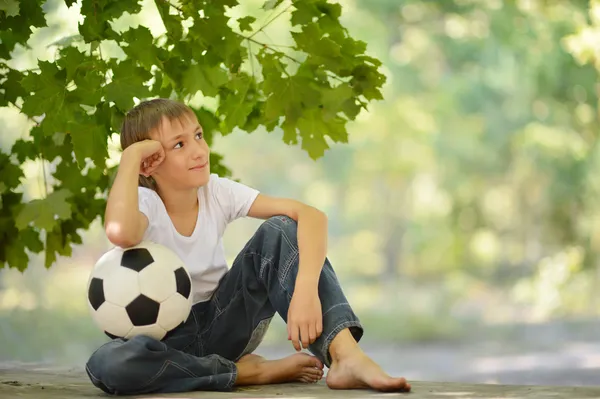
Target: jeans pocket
point(257, 336)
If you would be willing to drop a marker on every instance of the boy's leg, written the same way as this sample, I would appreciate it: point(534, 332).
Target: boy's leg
point(145, 365)
point(261, 281)
point(240, 312)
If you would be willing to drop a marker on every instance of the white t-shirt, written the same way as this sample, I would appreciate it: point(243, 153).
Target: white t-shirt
point(202, 252)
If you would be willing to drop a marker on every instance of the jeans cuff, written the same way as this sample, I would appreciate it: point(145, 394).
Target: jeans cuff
point(357, 333)
point(233, 372)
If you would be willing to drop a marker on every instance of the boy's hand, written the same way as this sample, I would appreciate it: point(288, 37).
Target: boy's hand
point(305, 319)
point(150, 154)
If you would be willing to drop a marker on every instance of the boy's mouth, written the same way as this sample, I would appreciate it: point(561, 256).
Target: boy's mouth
point(198, 167)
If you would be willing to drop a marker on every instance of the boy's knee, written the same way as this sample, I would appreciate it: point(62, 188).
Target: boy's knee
point(104, 365)
point(281, 224)
point(112, 366)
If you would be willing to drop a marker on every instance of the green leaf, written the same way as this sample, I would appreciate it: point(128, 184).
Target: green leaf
point(351, 108)
point(290, 136)
point(209, 123)
point(236, 103)
point(43, 213)
point(303, 14)
point(110, 117)
point(322, 50)
point(31, 240)
point(140, 46)
point(89, 139)
point(172, 23)
point(292, 96)
point(127, 83)
point(24, 149)
point(366, 80)
point(58, 121)
point(8, 40)
point(71, 59)
point(56, 245)
point(98, 14)
point(246, 23)
point(16, 256)
point(10, 7)
point(313, 129)
point(17, 28)
point(204, 78)
point(271, 4)
point(10, 174)
point(335, 99)
point(48, 87)
point(12, 88)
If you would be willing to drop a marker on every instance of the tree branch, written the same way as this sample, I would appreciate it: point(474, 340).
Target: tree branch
point(270, 21)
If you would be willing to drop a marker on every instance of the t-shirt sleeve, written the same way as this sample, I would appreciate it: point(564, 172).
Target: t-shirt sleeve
point(234, 198)
point(147, 203)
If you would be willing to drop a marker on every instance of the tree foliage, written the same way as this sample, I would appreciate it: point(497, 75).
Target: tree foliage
point(77, 101)
point(498, 105)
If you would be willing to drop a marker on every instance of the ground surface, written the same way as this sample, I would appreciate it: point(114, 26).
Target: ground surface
point(545, 361)
point(41, 382)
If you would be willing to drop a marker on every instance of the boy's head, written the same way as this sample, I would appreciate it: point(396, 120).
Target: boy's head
point(175, 126)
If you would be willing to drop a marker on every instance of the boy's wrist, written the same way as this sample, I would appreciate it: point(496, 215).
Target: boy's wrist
point(132, 154)
point(307, 280)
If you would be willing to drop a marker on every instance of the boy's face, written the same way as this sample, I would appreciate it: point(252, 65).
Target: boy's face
point(186, 163)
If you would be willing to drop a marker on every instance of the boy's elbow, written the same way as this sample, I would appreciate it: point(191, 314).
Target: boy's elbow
point(118, 236)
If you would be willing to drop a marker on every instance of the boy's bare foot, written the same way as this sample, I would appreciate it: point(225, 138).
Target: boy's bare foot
point(251, 357)
point(255, 370)
point(351, 368)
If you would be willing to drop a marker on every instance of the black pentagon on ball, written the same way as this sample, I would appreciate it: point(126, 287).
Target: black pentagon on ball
point(96, 292)
point(136, 259)
point(110, 335)
point(143, 311)
point(184, 285)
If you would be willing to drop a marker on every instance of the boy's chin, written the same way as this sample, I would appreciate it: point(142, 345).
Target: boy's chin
point(201, 181)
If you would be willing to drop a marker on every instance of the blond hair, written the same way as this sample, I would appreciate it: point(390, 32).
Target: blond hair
point(147, 116)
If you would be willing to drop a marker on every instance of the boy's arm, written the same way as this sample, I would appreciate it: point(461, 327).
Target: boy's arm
point(305, 319)
point(312, 233)
point(124, 223)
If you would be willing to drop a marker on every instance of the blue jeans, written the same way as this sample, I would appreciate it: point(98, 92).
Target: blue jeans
point(200, 354)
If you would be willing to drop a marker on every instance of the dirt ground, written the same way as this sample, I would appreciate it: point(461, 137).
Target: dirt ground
point(43, 382)
point(537, 362)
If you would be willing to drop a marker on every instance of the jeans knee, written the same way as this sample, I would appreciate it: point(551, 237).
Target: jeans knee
point(104, 367)
point(112, 367)
point(281, 224)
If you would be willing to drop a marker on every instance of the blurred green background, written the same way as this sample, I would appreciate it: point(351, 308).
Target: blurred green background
point(466, 203)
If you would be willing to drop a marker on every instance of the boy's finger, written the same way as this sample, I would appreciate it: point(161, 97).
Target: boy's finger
point(295, 337)
point(304, 335)
point(319, 327)
point(312, 332)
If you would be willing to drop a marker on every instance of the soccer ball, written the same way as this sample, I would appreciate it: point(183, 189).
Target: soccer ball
point(141, 290)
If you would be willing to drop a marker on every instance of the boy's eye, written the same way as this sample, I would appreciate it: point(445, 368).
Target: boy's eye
point(199, 135)
point(180, 142)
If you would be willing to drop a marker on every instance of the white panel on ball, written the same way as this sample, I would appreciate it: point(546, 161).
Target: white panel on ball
point(157, 281)
point(121, 286)
point(173, 312)
point(113, 319)
point(163, 255)
point(154, 331)
point(106, 263)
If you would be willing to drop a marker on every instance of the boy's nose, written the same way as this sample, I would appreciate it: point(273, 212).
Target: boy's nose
point(199, 152)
